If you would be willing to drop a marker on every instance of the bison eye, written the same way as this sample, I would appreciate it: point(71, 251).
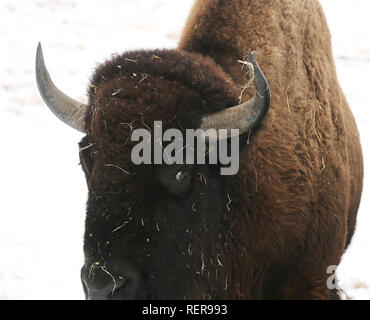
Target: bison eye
point(176, 178)
point(182, 176)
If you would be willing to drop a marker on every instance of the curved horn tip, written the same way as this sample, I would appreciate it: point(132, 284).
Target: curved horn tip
point(249, 114)
point(252, 58)
point(65, 108)
point(252, 55)
point(39, 54)
point(260, 81)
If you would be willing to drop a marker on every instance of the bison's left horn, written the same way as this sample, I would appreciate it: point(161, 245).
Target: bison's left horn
point(65, 108)
point(245, 116)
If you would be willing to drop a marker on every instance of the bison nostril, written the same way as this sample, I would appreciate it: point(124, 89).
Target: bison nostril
point(95, 292)
point(121, 288)
point(101, 284)
point(98, 294)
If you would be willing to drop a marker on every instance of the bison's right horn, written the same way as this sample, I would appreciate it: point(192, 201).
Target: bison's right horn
point(245, 116)
point(65, 108)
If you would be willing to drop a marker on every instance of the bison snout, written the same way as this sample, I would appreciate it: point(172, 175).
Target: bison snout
point(101, 284)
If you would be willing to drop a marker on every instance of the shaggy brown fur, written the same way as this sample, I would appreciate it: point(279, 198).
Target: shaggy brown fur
point(269, 232)
point(304, 170)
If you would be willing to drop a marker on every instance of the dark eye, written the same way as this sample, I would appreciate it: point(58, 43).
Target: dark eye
point(182, 176)
point(177, 179)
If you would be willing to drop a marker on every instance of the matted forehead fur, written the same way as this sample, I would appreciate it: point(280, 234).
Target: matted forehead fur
point(158, 85)
point(134, 89)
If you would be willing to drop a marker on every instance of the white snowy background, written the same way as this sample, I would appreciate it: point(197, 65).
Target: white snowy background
point(42, 188)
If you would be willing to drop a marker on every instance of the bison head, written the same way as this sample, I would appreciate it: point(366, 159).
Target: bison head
point(155, 231)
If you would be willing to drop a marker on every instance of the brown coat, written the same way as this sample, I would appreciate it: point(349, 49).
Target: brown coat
point(272, 230)
point(303, 171)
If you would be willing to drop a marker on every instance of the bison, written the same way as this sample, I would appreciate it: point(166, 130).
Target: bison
point(273, 230)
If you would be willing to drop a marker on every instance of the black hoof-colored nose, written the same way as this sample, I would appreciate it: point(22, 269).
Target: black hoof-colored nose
point(100, 294)
point(103, 285)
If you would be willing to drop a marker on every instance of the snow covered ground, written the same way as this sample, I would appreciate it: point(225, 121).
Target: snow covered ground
point(42, 188)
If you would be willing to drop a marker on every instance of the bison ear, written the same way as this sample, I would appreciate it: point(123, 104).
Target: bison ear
point(65, 108)
point(246, 116)
point(85, 154)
